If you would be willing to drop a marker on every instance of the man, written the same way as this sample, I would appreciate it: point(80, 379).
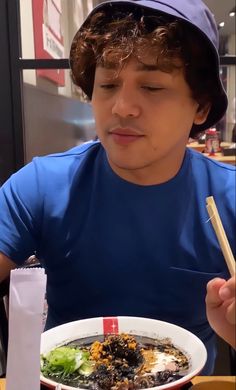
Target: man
point(120, 224)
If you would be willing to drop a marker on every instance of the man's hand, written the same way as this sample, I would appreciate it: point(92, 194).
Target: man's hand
point(6, 265)
point(220, 306)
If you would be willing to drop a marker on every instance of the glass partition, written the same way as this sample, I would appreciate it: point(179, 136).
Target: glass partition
point(53, 122)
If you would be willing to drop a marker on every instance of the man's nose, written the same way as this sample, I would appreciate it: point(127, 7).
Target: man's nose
point(126, 103)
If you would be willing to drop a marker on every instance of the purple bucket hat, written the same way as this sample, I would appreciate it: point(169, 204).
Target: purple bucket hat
point(199, 17)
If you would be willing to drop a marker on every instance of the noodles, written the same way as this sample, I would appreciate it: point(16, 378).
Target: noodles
point(119, 362)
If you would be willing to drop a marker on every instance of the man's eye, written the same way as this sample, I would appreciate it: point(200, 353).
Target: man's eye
point(107, 86)
point(152, 89)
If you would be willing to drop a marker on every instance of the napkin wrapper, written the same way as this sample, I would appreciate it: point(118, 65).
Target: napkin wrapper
point(26, 303)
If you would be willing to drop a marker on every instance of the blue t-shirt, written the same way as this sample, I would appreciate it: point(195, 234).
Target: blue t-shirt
point(111, 247)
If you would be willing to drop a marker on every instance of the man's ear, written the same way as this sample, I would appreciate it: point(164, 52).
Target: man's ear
point(202, 113)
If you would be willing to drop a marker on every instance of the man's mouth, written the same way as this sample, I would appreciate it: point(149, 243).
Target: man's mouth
point(123, 136)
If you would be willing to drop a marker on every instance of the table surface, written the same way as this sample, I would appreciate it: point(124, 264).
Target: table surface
point(195, 145)
point(217, 156)
point(197, 379)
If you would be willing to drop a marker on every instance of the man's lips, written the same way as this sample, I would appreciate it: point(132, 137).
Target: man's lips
point(124, 136)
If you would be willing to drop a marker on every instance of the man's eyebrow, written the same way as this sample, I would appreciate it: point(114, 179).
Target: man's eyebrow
point(147, 67)
point(139, 67)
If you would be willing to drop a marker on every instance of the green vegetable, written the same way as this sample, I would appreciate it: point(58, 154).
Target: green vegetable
point(63, 361)
point(86, 369)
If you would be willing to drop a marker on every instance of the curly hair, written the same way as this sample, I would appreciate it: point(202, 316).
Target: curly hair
point(172, 43)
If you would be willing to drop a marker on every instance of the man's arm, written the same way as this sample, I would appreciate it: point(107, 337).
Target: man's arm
point(6, 265)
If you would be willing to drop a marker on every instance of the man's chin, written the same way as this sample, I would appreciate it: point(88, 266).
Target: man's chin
point(126, 165)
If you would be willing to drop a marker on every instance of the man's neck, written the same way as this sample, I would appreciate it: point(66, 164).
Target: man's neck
point(162, 171)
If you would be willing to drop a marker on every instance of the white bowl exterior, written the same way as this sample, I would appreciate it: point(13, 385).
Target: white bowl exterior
point(181, 338)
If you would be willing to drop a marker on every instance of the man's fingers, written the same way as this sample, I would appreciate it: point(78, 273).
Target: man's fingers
point(227, 291)
point(212, 298)
point(231, 313)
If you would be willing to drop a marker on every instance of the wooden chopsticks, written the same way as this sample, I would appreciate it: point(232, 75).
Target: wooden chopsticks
point(220, 233)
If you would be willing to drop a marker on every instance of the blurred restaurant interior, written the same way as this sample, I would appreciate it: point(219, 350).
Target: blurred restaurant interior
point(41, 110)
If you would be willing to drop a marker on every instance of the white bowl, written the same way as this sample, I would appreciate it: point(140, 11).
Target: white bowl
point(180, 337)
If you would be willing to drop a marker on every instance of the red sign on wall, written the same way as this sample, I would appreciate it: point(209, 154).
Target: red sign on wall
point(48, 36)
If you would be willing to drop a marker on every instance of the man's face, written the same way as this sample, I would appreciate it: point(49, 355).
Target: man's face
point(143, 118)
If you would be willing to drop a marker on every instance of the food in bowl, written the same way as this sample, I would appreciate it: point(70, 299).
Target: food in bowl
point(117, 362)
point(133, 334)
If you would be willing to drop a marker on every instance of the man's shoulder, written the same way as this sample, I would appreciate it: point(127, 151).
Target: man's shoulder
point(65, 160)
point(214, 178)
point(77, 151)
point(211, 165)
point(54, 168)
